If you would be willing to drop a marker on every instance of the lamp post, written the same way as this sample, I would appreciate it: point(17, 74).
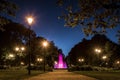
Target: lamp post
point(11, 57)
point(105, 59)
point(45, 44)
point(98, 51)
point(81, 60)
point(39, 60)
point(20, 49)
point(30, 21)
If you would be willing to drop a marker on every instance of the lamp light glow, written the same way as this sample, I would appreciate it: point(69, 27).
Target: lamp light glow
point(30, 20)
point(45, 43)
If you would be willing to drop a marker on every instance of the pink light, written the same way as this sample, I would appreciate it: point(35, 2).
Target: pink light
point(61, 63)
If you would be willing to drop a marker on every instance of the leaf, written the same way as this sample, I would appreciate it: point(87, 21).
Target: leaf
point(101, 14)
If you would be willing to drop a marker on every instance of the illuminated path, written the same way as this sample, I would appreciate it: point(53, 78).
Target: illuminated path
point(60, 75)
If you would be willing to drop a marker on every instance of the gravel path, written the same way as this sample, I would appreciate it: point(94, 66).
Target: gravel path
point(60, 75)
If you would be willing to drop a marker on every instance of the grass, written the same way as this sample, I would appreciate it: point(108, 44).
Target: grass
point(17, 74)
point(101, 75)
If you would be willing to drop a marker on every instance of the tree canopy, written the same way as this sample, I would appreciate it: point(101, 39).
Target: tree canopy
point(17, 35)
point(94, 16)
point(86, 50)
point(7, 8)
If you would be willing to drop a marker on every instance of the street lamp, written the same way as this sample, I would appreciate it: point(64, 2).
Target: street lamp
point(45, 44)
point(81, 60)
point(104, 57)
point(98, 51)
point(30, 21)
point(118, 62)
point(20, 50)
point(22, 63)
point(39, 59)
point(11, 56)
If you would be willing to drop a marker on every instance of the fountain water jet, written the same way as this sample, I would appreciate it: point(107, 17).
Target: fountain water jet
point(60, 64)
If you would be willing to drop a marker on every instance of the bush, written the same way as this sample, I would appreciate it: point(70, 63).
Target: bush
point(102, 69)
point(86, 68)
point(35, 67)
point(81, 68)
point(89, 68)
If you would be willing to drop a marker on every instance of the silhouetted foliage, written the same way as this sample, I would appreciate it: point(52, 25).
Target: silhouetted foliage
point(17, 35)
point(93, 16)
point(7, 8)
point(14, 35)
point(86, 50)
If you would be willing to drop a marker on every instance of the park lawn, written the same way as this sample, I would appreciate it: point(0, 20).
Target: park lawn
point(17, 74)
point(101, 75)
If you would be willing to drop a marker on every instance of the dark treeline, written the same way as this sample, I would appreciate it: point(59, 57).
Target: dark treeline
point(86, 50)
point(17, 35)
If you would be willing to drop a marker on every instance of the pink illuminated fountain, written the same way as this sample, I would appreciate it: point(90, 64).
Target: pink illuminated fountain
point(60, 64)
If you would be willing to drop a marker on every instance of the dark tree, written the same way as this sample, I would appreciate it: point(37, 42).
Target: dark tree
point(14, 35)
point(86, 50)
point(94, 16)
point(6, 8)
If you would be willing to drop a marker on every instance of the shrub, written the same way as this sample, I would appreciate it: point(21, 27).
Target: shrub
point(81, 68)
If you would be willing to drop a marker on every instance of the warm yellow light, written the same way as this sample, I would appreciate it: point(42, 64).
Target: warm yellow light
point(22, 48)
point(118, 62)
point(45, 43)
point(32, 64)
point(22, 63)
point(104, 57)
point(98, 50)
point(81, 60)
point(30, 20)
point(11, 55)
point(17, 48)
point(55, 62)
point(39, 59)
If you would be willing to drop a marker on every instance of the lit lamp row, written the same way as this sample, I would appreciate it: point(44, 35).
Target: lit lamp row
point(98, 50)
point(20, 49)
point(39, 59)
point(81, 60)
point(45, 44)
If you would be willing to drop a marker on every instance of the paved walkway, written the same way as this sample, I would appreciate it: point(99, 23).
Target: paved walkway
point(60, 75)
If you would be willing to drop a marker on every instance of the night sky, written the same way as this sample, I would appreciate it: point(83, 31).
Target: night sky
point(49, 26)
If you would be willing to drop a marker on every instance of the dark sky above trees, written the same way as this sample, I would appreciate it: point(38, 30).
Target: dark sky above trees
point(46, 14)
